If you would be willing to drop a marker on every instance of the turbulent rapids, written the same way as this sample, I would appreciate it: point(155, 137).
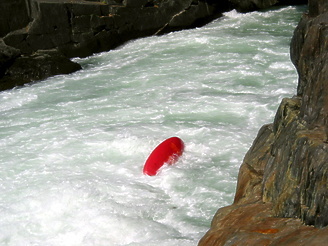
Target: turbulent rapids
point(73, 147)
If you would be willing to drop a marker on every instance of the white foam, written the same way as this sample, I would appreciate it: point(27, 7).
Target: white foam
point(73, 147)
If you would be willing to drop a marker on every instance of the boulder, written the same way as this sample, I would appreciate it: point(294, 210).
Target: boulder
point(38, 66)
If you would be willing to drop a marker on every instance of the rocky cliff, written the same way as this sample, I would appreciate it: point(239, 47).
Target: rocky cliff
point(282, 190)
point(37, 37)
point(62, 29)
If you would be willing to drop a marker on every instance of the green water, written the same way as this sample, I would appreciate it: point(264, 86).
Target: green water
point(73, 147)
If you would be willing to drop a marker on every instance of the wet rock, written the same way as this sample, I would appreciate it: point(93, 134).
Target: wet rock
point(41, 65)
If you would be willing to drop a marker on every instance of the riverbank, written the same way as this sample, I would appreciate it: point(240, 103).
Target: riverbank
point(38, 37)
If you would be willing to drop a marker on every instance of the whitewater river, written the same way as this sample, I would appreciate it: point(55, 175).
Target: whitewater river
point(73, 146)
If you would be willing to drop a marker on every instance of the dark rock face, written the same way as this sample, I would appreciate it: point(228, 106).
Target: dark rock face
point(7, 56)
point(13, 15)
point(78, 28)
point(251, 5)
point(283, 181)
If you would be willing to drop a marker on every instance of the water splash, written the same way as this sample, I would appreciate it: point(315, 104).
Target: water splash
point(73, 146)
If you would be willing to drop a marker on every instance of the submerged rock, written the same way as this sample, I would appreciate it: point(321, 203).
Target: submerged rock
point(282, 190)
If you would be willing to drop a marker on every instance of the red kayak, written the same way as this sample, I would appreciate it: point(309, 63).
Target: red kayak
point(168, 152)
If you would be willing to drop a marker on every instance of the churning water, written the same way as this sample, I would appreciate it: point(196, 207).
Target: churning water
point(73, 146)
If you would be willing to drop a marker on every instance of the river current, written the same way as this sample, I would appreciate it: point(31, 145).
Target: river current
point(73, 146)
